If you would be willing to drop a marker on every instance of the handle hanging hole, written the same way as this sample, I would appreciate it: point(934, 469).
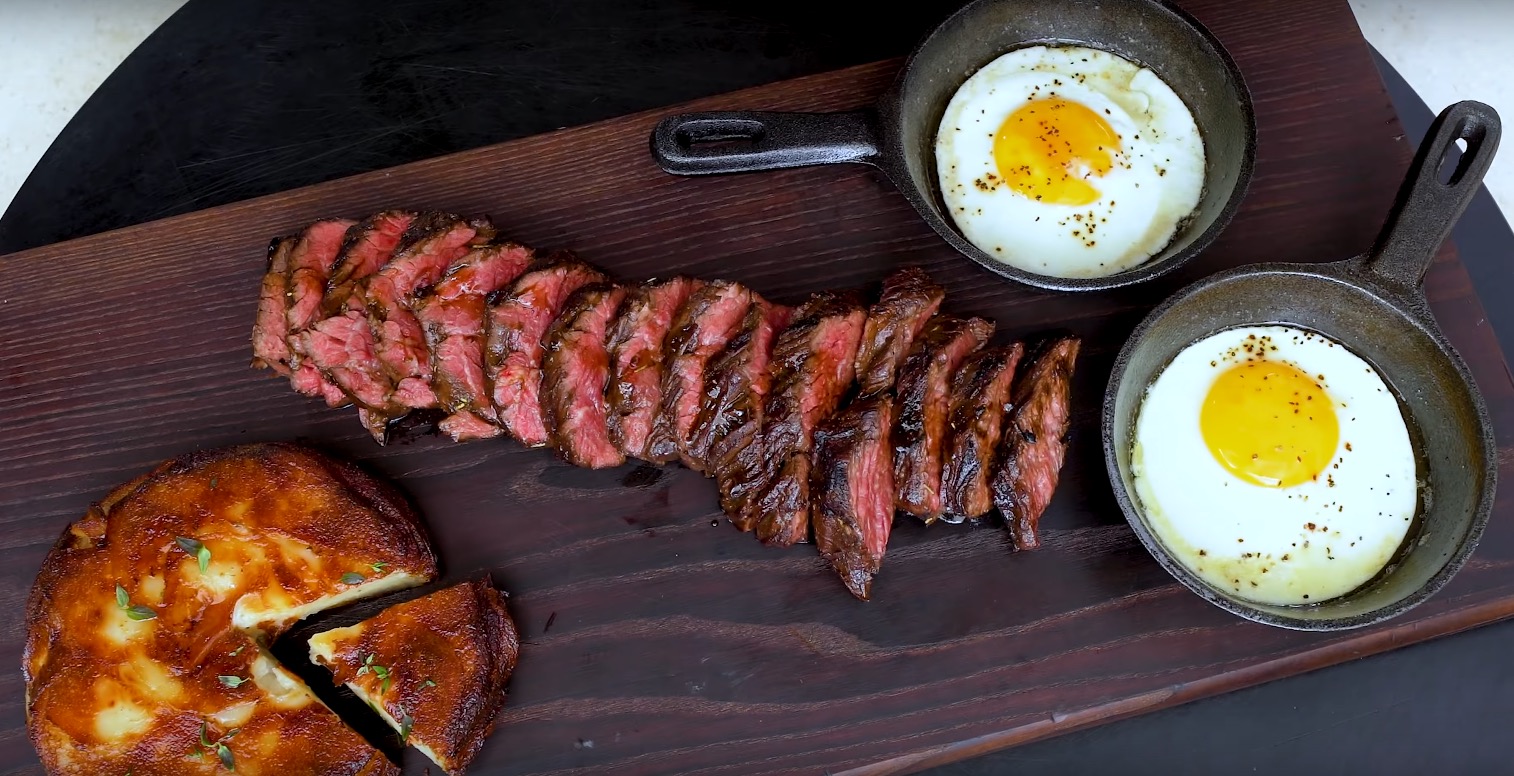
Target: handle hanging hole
point(1453, 164)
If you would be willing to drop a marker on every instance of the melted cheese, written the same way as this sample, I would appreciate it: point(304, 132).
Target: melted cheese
point(275, 607)
point(323, 645)
point(107, 693)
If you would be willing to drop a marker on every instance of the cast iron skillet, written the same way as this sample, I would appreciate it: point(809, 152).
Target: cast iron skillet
point(1375, 305)
point(898, 134)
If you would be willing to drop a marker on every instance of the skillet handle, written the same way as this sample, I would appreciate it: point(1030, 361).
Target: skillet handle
point(746, 141)
point(1426, 207)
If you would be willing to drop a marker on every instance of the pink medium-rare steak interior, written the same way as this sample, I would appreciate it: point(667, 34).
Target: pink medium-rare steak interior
point(636, 352)
point(575, 372)
point(706, 323)
point(517, 327)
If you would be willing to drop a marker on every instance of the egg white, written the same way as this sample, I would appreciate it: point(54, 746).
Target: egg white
point(1296, 545)
point(1155, 183)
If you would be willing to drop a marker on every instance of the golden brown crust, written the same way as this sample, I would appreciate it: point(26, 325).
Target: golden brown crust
point(117, 684)
point(444, 658)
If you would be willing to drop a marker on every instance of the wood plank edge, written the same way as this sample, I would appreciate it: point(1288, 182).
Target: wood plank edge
point(1371, 642)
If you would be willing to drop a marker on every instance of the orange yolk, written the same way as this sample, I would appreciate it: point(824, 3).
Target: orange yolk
point(1048, 147)
point(1269, 424)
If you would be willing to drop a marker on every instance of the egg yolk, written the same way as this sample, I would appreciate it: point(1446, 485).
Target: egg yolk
point(1048, 148)
point(1269, 424)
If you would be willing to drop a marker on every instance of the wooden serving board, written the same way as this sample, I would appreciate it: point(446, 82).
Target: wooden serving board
point(657, 638)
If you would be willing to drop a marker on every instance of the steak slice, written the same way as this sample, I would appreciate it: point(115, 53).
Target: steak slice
point(853, 484)
point(309, 262)
point(813, 364)
point(736, 384)
point(452, 319)
point(1030, 458)
point(310, 266)
point(343, 348)
point(921, 415)
point(368, 246)
point(575, 371)
point(636, 351)
point(980, 397)
point(517, 325)
point(908, 300)
point(432, 244)
point(270, 343)
point(334, 350)
point(708, 320)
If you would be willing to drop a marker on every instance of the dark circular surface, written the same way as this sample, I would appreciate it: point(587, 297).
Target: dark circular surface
point(231, 100)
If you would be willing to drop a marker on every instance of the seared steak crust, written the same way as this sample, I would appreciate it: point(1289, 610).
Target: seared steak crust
point(980, 397)
point(813, 365)
point(636, 359)
point(310, 261)
point(736, 383)
point(853, 490)
point(270, 344)
point(431, 244)
point(908, 300)
point(575, 371)
point(708, 320)
point(1035, 441)
point(517, 326)
point(920, 425)
point(452, 319)
point(367, 246)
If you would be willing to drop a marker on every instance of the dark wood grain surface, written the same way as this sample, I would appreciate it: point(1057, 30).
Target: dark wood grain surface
point(675, 642)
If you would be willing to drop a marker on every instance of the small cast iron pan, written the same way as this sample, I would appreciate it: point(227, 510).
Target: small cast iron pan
point(1374, 305)
point(898, 134)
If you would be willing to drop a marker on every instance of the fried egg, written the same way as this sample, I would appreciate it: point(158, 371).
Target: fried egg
point(1275, 464)
point(1068, 161)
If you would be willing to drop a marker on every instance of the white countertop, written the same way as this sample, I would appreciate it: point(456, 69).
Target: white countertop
point(55, 53)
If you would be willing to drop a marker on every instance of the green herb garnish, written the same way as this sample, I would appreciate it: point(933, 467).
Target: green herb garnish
point(428, 683)
point(353, 578)
point(196, 548)
point(228, 760)
point(378, 568)
point(380, 671)
point(138, 612)
point(232, 681)
point(405, 724)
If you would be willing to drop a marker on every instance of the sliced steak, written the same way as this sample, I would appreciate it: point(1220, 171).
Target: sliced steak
point(980, 398)
point(368, 245)
point(310, 266)
point(452, 319)
point(518, 320)
point(270, 344)
point(1035, 441)
point(735, 386)
point(813, 365)
point(432, 244)
point(853, 490)
point(343, 348)
point(575, 372)
point(310, 261)
point(923, 409)
point(338, 340)
point(636, 349)
point(702, 328)
point(908, 300)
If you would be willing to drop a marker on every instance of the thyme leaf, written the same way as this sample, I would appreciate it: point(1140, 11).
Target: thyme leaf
point(196, 548)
